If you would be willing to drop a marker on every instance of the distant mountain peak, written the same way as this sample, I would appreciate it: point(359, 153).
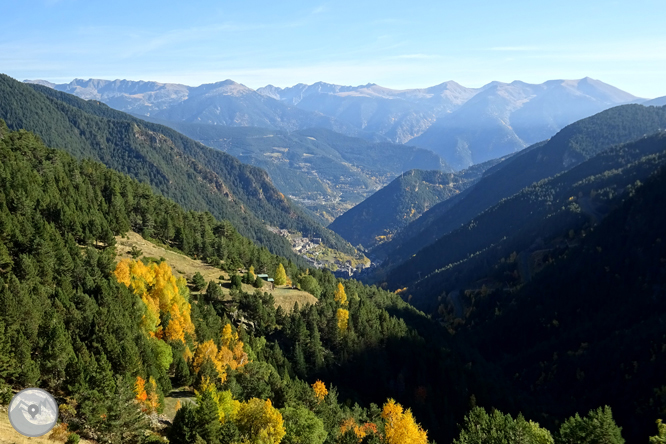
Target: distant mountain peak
point(41, 82)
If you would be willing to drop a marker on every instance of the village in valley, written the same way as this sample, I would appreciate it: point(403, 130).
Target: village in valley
point(319, 256)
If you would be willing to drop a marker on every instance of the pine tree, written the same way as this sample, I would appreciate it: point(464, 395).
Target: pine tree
point(182, 375)
point(184, 427)
point(316, 350)
point(598, 427)
point(300, 366)
point(213, 292)
point(198, 282)
point(56, 351)
point(7, 365)
point(6, 261)
point(207, 417)
point(124, 421)
point(258, 282)
point(236, 282)
point(27, 369)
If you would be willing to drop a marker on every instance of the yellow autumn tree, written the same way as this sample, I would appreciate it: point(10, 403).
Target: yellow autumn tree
point(208, 351)
point(343, 319)
point(253, 276)
point(319, 390)
point(164, 297)
point(340, 295)
point(400, 427)
point(230, 353)
point(260, 423)
point(280, 275)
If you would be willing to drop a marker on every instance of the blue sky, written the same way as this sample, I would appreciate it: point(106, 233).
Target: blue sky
point(397, 44)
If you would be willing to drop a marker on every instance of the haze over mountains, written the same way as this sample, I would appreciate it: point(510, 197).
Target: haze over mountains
point(464, 126)
point(324, 171)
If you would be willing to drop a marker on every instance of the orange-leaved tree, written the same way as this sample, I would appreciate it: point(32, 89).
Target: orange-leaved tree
point(361, 431)
point(153, 401)
point(140, 392)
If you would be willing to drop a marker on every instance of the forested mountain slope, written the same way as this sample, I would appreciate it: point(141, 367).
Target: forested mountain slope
point(528, 221)
point(589, 328)
point(111, 340)
point(88, 330)
point(571, 146)
point(379, 217)
point(322, 170)
point(188, 172)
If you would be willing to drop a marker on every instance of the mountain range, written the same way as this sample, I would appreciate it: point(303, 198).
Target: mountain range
point(196, 176)
point(223, 103)
point(325, 172)
point(462, 125)
point(573, 145)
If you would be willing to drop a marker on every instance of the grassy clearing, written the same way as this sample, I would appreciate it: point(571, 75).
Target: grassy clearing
point(183, 394)
point(10, 436)
point(185, 266)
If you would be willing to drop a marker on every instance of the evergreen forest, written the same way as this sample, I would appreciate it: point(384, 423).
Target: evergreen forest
point(539, 321)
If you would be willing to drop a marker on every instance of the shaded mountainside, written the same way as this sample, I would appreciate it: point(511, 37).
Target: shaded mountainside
point(571, 146)
point(324, 171)
point(386, 212)
point(536, 219)
point(589, 328)
point(505, 118)
point(188, 172)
